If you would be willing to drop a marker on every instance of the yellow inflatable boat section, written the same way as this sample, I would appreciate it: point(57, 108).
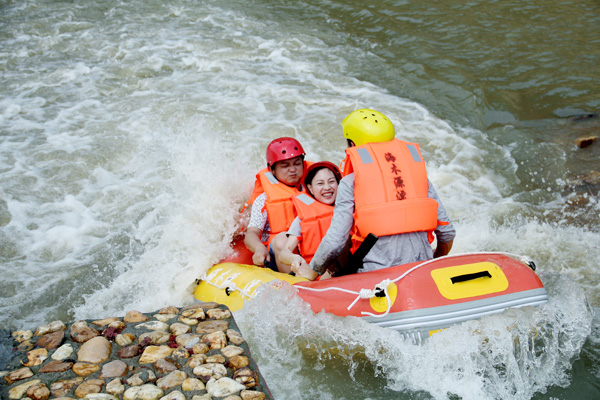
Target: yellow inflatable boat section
point(246, 278)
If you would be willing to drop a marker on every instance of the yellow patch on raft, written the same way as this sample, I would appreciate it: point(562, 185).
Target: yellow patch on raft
point(246, 277)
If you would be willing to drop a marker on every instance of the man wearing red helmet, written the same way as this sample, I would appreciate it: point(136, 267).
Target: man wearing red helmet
point(272, 209)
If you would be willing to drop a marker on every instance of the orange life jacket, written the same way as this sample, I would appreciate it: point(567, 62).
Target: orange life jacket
point(391, 190)
point(280, 210)
point(315, 218)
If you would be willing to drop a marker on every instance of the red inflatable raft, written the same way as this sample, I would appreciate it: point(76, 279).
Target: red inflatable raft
point(416, 299)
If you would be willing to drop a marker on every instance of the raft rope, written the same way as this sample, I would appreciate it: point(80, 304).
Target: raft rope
point(228, 284)
point(381, 287)
point(379, 290)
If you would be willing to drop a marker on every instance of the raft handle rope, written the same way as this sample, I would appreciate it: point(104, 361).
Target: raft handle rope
point(228, 284)
point(380, 289)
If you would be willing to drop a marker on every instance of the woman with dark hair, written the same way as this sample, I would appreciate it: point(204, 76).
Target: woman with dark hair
point(314, 215)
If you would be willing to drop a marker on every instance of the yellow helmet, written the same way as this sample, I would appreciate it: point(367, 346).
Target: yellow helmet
point(368, 126)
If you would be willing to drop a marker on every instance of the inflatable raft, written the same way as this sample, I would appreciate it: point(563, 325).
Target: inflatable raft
point(416, 299)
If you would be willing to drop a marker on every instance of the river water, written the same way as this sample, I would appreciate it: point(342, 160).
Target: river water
point(130, 132)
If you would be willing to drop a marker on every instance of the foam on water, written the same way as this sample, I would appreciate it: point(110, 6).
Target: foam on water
point(130, 133)
point(507, 356)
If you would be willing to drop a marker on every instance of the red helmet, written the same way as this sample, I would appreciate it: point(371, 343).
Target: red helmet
point(282, 149)
point(310, 174)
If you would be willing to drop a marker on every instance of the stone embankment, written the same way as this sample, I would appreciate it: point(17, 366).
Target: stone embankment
point(190, 353)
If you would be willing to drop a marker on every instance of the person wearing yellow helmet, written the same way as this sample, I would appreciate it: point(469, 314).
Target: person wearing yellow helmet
point(384, 193)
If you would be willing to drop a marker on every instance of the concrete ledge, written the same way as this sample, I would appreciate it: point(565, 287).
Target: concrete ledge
point(190, 353)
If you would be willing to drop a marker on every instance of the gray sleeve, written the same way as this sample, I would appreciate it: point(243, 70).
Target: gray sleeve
point(444, 233)
point(339, 230)
point(295, 229)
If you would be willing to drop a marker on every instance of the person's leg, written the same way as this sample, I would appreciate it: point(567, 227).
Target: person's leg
point(277, 245)
point(271, 264)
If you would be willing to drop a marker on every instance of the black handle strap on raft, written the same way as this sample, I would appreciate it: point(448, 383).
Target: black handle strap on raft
point(470, 277)
point(355, 261)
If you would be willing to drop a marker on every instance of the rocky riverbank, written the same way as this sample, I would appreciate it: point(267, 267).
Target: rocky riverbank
point(190, 353)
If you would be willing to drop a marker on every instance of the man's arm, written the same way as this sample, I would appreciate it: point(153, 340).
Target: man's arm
point(443, 248)
point(254, 231)
point(253, 243)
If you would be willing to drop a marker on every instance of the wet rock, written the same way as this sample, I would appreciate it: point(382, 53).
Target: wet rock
point(52, 340)
point(215, 340)
point(61, 387)
point(246, 377)
point(188, 321)
point(19, 391)
point(196, 313)
point(252, 395)
point(585, 141)
point(180, 354)
point(55, 366)
point(124, 339)
point(218, 313)
point(111, 333)
point(165, 365)
point(117, 325)
point(49, 328)
point(114, 369)
point(135, 316)
point(129, 351)
point(63, 352)
point(165, 317)
point(200, 348)
point(174, 395)
point(100, 396)
point(85, 369)
point(223, 387)
point(38, 391)
point(81, 332)
point(188, 340)
point(25, 345)
point(209, 349)
point(216, 358)
point(105, 321)
point(231, 351)
point(202, 397)
point(169, 310)
point(115, 387)
point(88, 387)
point(141, 377)
point(18, 375)
point(36, 357)
point(206, 372)
point(171, 380)
point(21, 336)
point(211, 326)
point(144, 392)
point(153, 326)
point(235, 337)
point(192, 384)
point(95, 350)
point(196, 360)
point(179, 329)
point(238, 362)
point(154, 337)
point(203, 304)
point(152, 353)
